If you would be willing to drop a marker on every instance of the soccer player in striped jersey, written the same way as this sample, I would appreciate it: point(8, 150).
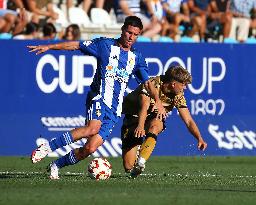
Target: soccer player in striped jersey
point(117, 61)
point(141, 121)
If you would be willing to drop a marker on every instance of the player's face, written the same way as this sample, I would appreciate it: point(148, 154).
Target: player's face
point(174, 87)
point(129, 36)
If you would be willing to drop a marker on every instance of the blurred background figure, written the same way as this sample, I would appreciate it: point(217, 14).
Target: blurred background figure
point(85, 4)
point(2, 23)
point(31, 32)
point(242, 11)
point(157, 12)
point(151, 25)
point(72, 33)
point(12, 21)
point(252, 31)
point(49, 32)
point(40, 11)
point(220, 18)
point(177, 13)
point(199, 12)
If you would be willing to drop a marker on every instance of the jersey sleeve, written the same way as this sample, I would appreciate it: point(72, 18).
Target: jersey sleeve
point(180, 102)
point(90, 47)
point(141, 70)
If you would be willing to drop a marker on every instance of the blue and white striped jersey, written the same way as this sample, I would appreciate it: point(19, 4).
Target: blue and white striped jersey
point(114, 70)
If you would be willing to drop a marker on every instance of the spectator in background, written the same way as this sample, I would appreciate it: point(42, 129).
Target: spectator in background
point(2, 23)
point(174, 17)
point(31, 32)
point(157, 9)
point(241, 20)
point(252, 31)
point(220, 14)
point(86, 4)
point(41, 11)
point(12, 21)
point(72, 33)
point(199, 11)
point(108, 5)
point(151, 25)
point(49, 32)
point(8, 20)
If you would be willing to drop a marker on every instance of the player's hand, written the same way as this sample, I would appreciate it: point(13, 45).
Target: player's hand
point(161, 113)
point(139, 132)
point(201, 145)
point(38, 49)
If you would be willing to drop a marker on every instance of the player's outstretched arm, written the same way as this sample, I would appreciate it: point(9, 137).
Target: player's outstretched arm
point(192, 127)
point(70, 45)
point(144, 106)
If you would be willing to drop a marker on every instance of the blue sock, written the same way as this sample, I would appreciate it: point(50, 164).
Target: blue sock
point(68, 159)
point(65, 139)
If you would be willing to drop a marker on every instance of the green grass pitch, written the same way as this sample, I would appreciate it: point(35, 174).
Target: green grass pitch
point(166, 180)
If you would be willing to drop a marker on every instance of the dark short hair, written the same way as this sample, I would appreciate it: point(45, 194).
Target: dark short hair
point(49, 29)
point(133, 21)
point(177, 73)
point(31, 27)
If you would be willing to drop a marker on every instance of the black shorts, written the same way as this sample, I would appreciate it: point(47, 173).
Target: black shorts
point(130, 123)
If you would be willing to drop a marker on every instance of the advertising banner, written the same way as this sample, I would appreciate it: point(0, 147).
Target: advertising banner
point(43, 96)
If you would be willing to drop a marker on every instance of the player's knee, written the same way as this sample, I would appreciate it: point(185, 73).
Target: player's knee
point(128, 165)
point(90, 148)
point(154, 129)
point(10, 18)
point(94, 131)
point(85, 151)
point(91, 130)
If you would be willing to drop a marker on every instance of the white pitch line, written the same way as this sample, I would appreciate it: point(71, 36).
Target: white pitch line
point(207, 175)
point(60, 128)
point(37, 173)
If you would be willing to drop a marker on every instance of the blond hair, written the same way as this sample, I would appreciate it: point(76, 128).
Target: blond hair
point(177, 73)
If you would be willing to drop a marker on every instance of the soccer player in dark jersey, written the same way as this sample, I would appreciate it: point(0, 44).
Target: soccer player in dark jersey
point(117, 61)
point(140, 121)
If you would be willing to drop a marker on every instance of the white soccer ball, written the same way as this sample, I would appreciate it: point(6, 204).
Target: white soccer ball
point(99, 169)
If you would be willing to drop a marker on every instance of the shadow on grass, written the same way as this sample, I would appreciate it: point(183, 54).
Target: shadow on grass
point(17, 175)
point(20, 175)
point(228, 190)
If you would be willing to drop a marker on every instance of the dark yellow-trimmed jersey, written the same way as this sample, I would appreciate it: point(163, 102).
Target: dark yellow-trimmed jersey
point(131, 102)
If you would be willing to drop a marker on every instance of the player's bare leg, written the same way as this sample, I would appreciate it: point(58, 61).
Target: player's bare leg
point(147, 147)
point(91, 146)
point(91, 129)
point(129, 158)
point(74, 156)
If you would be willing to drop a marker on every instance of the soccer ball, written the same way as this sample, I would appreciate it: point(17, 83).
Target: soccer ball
point(99, 169)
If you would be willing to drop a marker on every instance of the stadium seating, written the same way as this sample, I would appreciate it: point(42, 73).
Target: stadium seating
point(93, 36)
point(5, 36)
point(186, 39)
point(251, 40)
point(62, 19)
point(230, 40)
point(78, 16)
point(143, 39)
point(165, 39)
point(102, 18)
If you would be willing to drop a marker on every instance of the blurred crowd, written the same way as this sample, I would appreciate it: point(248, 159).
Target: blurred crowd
point(176, 20)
